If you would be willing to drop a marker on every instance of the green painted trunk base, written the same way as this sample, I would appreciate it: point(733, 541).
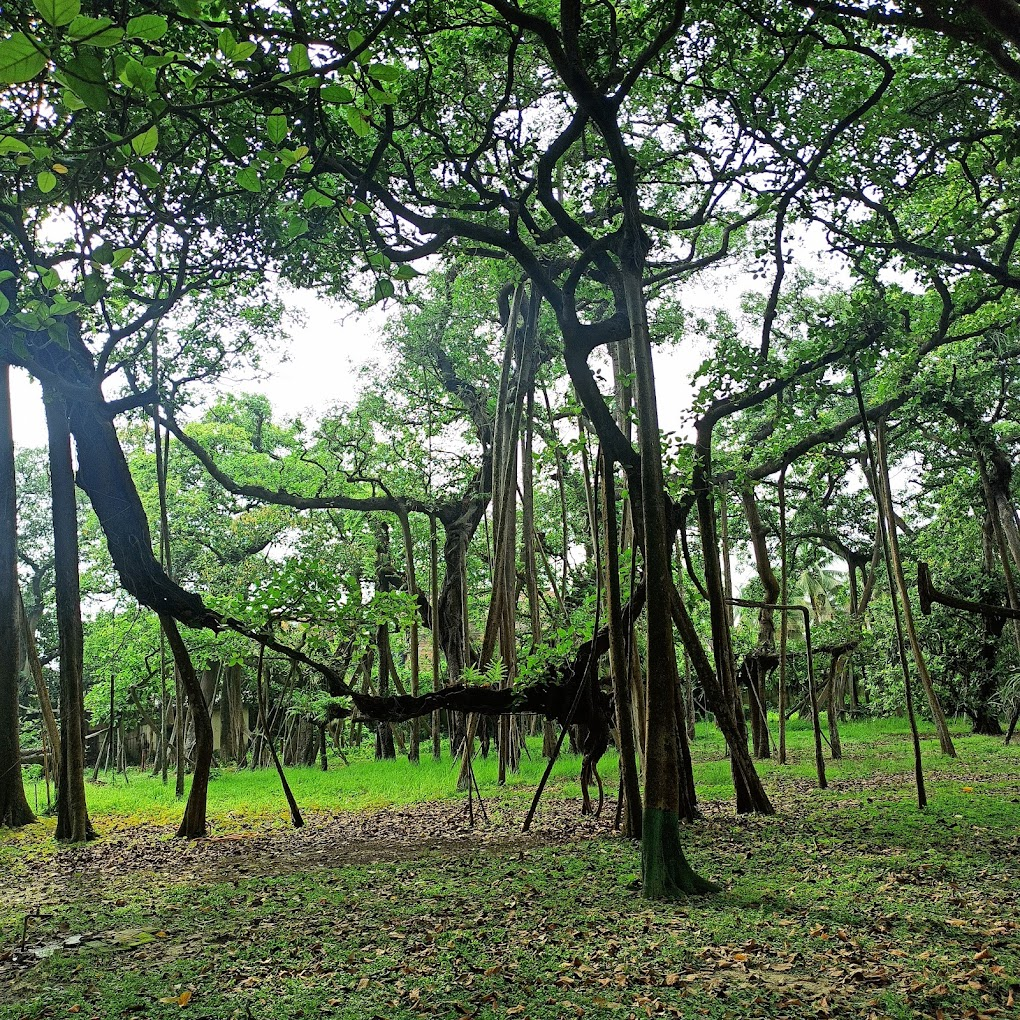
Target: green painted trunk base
point(665, 873)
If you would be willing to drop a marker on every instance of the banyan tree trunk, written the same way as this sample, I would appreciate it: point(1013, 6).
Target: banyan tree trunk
point(885, 494)
point(720, 683)
point(73, 822)
point(233, 721)
point(14, 809)
point(665, 870)
point(193, 824)
point(618, 657)
point(766, 646)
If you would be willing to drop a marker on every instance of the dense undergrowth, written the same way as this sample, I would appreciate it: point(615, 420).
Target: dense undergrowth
point(849, 902)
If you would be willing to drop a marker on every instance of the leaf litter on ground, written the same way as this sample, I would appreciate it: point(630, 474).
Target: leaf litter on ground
point(849, 903)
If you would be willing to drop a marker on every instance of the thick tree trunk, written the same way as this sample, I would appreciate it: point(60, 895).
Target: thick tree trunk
point(383, 730)
point(437, 733)
point(411, 580)
point(516, 380)
point(766, 624)
point(618, 657)
point(784, 599)
point(665, 871)
point(233, 724)
point(193, 824)
point(751, 795)
point(725, 694)
point(528, 520)
point(14, 809)
point(832, 705)
point(72, 813)
point(209, 678)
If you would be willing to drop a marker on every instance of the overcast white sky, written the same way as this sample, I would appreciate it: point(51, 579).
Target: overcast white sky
point(321, 370)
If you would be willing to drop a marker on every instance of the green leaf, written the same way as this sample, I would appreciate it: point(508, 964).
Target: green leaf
point(384, 72)
point(103, 255)
point(95, 31)
point(386, 98)
point(58, 12)
point(297, 59)
point(237, 146)
point(95, 288)
point(61, 306)
point(11, 144)
point(137, 76)
point(356, 119)
point(296, 226)
point(146, 142)
point(58, 334)
point(121, 256)
point(85, 77)
point(20, 60)
point(355, 39)
point(405, 273)
point(384, 289)
point(148, 175)
point(4, 305)
point(46, 181)
point(314, 199)
point(227, 43)
point(336, 94)
point(147, 27)
point(243, 51)
point(276, 127)
point(72, 102)
point(248, 179)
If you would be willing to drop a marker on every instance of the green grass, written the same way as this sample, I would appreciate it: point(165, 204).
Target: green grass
point(849, 902)
point(239, 797)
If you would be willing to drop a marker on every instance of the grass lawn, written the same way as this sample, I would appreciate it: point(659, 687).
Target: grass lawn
point(848, 902)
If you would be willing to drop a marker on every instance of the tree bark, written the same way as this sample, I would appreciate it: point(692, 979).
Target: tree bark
point(437, 734)
point(72, 812)
point(766, 623)
point(618, 657)
point(784, 598)
point(884, 526)
point(233, 724)
point(885, 490)
point(31, 658)
point(665, 870)
point(727, 703)
point(384, 731)
point(14, 809)
point(411, 581)
point(193, 824)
